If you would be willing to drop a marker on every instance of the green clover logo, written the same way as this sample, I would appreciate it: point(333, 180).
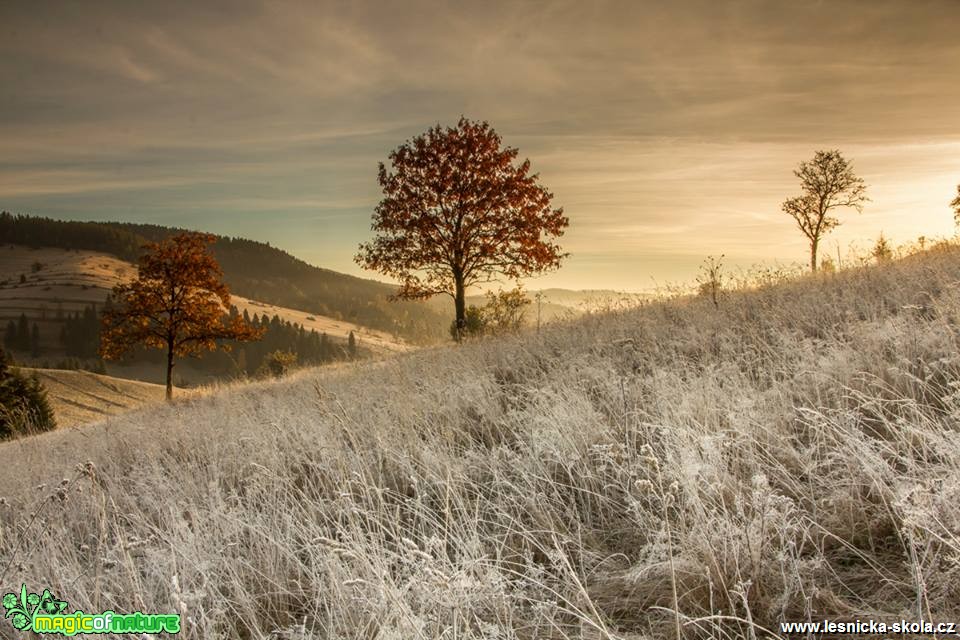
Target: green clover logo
point(21, 608)
point(20, 622)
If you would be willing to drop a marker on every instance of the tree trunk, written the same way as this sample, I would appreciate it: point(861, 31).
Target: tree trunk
point(460, 301)
point(169, 369)
point(813, 255)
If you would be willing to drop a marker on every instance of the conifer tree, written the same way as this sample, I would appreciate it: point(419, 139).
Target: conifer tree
point(23, 332)
point(35, 341)
point(10, 335)
point(24, 406)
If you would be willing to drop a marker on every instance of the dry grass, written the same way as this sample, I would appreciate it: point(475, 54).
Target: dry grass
point(81, 397)
point(793, 454)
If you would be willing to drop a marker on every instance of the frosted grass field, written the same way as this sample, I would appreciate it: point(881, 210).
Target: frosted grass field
point(792, 455)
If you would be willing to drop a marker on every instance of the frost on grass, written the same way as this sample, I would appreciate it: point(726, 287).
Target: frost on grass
point(789, 454)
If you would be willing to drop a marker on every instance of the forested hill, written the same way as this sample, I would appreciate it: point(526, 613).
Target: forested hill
point(251, 269)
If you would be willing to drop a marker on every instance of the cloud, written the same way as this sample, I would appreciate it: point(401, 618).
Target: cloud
point(660, 127)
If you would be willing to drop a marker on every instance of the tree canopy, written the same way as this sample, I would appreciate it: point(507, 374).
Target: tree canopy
point(457, 211)
point(828, 182)
point(178, 302)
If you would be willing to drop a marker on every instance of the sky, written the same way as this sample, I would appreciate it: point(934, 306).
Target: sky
point(666, 131)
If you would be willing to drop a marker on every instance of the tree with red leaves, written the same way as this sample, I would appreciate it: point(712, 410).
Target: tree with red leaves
point(178, 302)
point(457, 212)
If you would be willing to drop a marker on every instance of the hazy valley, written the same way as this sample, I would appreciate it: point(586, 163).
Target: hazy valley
point(48, 284)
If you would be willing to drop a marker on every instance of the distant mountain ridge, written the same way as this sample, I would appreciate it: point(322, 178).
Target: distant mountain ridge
point(252, 269)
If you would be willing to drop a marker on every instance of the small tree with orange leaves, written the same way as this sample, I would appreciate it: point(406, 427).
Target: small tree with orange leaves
point(178, 302)
point(457, 212)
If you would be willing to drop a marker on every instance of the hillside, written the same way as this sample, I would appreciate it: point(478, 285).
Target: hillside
point(791, 455)
point(565, 304)
point(58, 281)
point(254, 270)
point(591, 299)
point(82, 397)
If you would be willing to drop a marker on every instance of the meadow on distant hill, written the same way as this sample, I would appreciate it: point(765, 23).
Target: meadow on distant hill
point(253, 269)
point(790, 454)
point(81, 397)
point(59, 294)
point(59, 282)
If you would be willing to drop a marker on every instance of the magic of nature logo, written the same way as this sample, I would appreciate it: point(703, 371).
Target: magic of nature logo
point(45, 613)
